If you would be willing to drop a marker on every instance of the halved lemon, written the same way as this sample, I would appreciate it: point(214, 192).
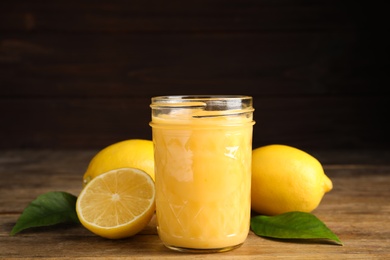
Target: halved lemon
point(118, 203)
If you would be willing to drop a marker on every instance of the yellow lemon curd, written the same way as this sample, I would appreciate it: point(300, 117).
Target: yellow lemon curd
point(203, 178)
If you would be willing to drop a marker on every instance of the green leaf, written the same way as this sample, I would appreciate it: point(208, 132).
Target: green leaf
point(48, 209)
point(293, 225)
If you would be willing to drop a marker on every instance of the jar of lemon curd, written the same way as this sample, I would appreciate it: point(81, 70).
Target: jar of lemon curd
point(203, 150)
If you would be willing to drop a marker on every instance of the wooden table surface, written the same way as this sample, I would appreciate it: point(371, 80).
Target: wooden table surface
point(357, 210)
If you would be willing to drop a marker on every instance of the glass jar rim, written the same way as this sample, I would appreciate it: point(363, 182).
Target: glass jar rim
point(199, 97)
point(207, 102)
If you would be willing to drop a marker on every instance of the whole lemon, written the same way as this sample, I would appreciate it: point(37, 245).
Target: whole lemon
point(132, 153)
point(286, 179)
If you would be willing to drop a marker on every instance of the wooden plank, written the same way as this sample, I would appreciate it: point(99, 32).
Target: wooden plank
point(117, 65)
point(150, 247)
point(74, 123)
point(356, 210)
point(176, 16)
point(305, 122)
point(68, 69)
point(25, 174)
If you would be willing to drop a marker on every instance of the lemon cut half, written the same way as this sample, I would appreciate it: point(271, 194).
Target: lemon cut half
point(118, 203)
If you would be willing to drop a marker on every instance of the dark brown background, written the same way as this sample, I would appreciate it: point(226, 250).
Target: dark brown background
point(80, 74)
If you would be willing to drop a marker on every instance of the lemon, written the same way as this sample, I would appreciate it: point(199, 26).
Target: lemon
point(286, 179)
point(118, 203)
point(133, 153)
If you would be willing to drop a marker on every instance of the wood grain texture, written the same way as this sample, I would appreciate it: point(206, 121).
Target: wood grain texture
point(81, 75)
point(319, 63)
point(173, 16)
point(357, 210)
point(305, 122)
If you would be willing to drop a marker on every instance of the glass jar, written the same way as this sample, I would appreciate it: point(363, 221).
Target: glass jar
point(203, 152)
